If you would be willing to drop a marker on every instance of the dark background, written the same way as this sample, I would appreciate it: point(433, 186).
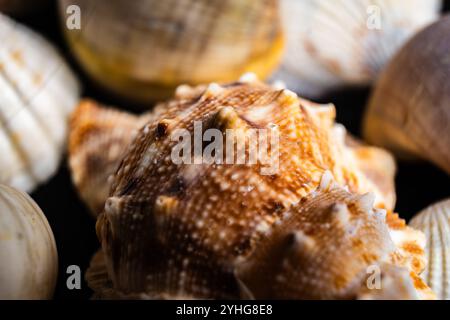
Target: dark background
point(418, 184)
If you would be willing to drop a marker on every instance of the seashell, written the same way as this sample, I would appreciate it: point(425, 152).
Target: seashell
point(435, 223)
point(232, 218)
point(98, 140)
point(37, 94)
point(174, 42)
point(28, 257)
point(330, 44)
point(20, 7)
point(408, 111)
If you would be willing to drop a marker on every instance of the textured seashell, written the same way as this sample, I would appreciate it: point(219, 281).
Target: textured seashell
point(435, 223)
point(28, 257)
point(205, 230)
point(330, 44)
point(37, 94)
point(408, 111)
point(98, 140)
point(174, 42)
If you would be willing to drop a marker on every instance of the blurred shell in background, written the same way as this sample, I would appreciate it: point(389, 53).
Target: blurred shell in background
point(435, 223)
point(338, 43)
point(21, 7)
point(37, 94)
point(28, 257)
point(145, 50)
point(409, 111)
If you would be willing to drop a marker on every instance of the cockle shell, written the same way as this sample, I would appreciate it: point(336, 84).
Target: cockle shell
point(172, 42)
point(37, 93)
point(200, 230)
point(409, 112)
point(435, 223)
point(28, 257)
point(330, 44)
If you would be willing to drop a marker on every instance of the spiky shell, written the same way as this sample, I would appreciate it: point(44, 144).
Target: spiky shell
point(408, 112)
point(182, 230)
point(434, 221)
point(173, 42)
point(37, 94)
point(338, 43)
point(28, 257)
point(98, 141)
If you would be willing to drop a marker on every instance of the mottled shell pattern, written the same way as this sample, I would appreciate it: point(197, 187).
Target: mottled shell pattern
point(28, 256)
point(98, 141)
point(172, 42)
point(330, 44)
point(204, 230)
point(37, 94)
point(434, 221)
point(408, 111)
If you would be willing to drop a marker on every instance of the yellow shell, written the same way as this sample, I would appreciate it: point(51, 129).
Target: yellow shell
point(145, 50)
point(408, 112)
point(199, 230)
point(434, 221)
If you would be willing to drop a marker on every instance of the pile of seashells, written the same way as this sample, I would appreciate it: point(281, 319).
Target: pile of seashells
point(310, 230)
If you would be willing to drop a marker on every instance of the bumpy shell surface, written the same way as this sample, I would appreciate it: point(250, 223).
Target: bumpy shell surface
point(173, 42)
point(200, 231)
point(435, 223)
point(98, 141)
point(28, 257)
point(37, 93)
point(332, 44)
point(409, 111)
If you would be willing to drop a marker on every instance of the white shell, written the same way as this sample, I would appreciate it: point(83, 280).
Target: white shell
point(336, 43)
point(435, 223)
point(37, 94)
point(28, 257)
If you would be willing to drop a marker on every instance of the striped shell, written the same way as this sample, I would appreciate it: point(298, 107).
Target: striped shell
point(28, 257)
point(172, 42)
point(338, 43)
point(435, 223)
point(409, 112)
point(203, 230)
point(37, 94)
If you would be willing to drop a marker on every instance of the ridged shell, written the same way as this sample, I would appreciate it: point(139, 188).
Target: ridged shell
point(435, 223)
point(184, 230)
point(28, 257)
point(409, 110)
point(37, 94)
point(330, 44)
point(173, 42)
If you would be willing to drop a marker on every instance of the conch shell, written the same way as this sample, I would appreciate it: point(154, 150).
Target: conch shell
point(203, 230)
point(37, 94)
point(330, 44)
point(28, 257)
point(172, 42)
point(434, 221)
point(408, 112)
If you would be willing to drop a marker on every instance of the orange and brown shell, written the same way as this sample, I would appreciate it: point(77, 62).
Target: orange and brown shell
point(222, 230)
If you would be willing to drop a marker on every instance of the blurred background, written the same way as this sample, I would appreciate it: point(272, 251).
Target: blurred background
point(418, 184)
